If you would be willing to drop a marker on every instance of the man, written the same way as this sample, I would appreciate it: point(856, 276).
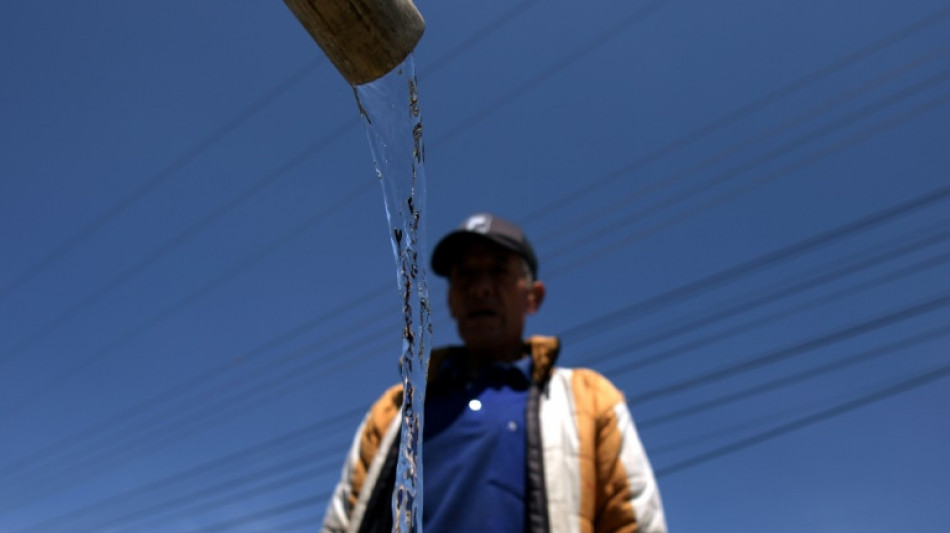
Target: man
point(511, 443)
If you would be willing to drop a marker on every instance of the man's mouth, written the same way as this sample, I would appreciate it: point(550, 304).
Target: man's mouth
point(482, 313)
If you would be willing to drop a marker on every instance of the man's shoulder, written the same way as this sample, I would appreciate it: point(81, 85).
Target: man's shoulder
point(589, 383)
point(385, 408)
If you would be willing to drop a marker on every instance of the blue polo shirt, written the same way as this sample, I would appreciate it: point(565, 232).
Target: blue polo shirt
point(473, 454)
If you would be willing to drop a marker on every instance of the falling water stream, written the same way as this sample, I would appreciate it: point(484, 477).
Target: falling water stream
point(389, 108)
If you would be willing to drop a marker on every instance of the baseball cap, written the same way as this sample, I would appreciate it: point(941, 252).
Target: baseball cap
point(482, 226)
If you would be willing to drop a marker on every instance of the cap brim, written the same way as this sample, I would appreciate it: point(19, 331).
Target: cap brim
point(447, 252)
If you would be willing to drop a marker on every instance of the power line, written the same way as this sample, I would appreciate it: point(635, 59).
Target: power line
point(546, 73)
point(806, 421)
point(771, 358)
point(181, 238)
point(746, 110)
point(593, 326)
point(158, 178)
point(114, 452)
point(202, 415)
point(259, 515)
point(681, 349)
point(626, 200)
point(180, 389)
point(789, 289)
point(803, 162)
point(266, 448)
point(754, 424)
point(494, 25)
point(791, 379)
point(298, 469)
point(170, 310)
point(306, 524)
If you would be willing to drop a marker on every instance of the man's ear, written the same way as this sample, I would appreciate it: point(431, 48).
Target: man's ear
point(536, 294)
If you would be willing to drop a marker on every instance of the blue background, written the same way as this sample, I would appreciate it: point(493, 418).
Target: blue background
point(197, 296)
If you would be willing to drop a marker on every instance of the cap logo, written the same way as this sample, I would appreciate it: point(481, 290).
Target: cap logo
point(478, 223)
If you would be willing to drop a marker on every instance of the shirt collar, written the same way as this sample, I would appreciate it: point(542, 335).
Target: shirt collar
point(453, 369)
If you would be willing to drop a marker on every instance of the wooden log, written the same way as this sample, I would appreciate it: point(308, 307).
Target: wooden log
point(364, 39)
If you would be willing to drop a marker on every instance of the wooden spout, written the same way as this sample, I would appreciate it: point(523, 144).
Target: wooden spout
point(364, 39)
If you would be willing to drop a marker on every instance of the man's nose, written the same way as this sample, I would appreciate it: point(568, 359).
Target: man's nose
point(481, 284)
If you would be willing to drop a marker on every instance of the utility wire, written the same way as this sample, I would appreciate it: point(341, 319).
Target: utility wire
point(306, 523)
point(783, 149)
point(243, 487)
point(197, 509)
point(270, 512)
point(754, 363)
point(916, 382)
point(160, 177)
point(723, 430)
point(234, 460)
point(803, 162)
point(548, 72)
point(196, 413)
point(493, 26)
point(42, 390)
point(823, 277)
point(625, 201)
point(115, 452)
point(754, 424)
point(225, 397)
point(744, 111)
point(181, 238)
point(791, 379)
point(695, 344)
point(180, 389)
point(688, 290)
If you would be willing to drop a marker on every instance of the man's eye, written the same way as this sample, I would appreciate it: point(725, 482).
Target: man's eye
point(462, 275)
point(501, 272)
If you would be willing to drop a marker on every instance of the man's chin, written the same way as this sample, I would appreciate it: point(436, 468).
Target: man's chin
point(482, 336)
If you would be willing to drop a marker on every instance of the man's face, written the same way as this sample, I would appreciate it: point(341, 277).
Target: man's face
point(490, 297)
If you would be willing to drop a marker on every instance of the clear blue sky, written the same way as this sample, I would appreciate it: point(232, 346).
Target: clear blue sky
point(197, 294)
